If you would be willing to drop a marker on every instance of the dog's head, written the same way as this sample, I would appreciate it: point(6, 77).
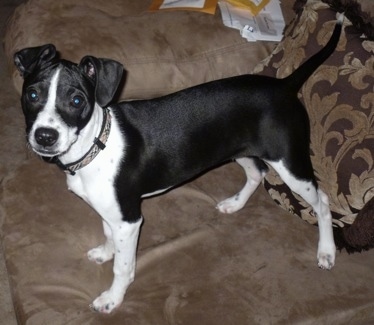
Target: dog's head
point(58, 96)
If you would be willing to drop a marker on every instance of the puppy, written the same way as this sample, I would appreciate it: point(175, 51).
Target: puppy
point(116, 155)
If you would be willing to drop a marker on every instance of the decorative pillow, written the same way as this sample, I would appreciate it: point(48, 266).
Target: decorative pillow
point(339, 99)
point(359, 12)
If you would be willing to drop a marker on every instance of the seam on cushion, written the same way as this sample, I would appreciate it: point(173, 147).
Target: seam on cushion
point(194, 57)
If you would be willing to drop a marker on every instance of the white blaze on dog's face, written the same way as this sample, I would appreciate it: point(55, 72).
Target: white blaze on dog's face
point(57, 107)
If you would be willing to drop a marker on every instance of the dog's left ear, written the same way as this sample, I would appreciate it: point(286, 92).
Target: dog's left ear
point(107, 76)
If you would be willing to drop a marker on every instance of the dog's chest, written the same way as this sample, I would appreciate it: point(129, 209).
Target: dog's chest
point(95, 183)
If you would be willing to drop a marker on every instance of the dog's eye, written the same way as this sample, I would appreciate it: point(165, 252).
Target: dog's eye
point(33, 95)
point(77, 101)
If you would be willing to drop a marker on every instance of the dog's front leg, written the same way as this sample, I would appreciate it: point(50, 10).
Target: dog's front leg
point(105, 252)
point(125, 238)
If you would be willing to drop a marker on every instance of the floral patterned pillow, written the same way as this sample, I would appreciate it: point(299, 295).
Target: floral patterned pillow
point(339, 98)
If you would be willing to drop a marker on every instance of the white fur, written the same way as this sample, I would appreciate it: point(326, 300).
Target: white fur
point(254, 178)
point(95, 184)
point(125, 238)
point(316, 198)
point(320, 204)
point(49, 118)
point(105, 252)
point(155, 193)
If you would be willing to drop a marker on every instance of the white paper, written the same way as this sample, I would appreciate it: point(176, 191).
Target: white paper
point(268, 25)
point(182, 3)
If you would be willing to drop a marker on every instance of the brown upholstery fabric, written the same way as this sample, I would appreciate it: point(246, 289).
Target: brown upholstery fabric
point(195, 265)
point(162, 52)
point(339, 99)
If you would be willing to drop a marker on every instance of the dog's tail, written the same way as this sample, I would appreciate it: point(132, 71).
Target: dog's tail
point(301, 74)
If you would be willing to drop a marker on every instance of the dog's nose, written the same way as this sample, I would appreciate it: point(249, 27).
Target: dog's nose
point(46, 136)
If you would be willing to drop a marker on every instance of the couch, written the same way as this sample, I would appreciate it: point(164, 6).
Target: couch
point(195, 265)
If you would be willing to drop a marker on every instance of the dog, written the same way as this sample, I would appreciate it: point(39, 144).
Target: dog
point(115, 155)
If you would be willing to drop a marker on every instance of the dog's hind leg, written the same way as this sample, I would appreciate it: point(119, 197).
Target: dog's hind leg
point(105, 252)
point(255, 170)
point(320, 204)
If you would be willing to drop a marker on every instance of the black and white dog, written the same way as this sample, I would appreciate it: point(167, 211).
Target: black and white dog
point(116, 155)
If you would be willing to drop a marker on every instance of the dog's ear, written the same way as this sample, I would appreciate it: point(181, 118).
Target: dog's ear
point(32, 58)
point(107, 76)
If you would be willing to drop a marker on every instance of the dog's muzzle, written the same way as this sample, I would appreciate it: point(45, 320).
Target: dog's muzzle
point(44, 141)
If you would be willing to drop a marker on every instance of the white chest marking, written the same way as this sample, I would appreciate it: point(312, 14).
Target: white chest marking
point(94, 183)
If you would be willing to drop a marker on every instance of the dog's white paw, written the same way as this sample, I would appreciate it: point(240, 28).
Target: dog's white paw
point(326, 258)
point(100, 254)
point(106, 302)
point(231, 204)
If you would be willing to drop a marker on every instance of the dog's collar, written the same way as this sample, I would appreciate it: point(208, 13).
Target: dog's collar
point(98, 145)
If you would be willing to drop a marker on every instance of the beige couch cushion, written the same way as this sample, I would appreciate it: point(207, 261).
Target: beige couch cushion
point(161, 51)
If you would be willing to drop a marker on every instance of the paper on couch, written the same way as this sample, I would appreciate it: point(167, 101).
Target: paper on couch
point(207, 6)
point(268, 25)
